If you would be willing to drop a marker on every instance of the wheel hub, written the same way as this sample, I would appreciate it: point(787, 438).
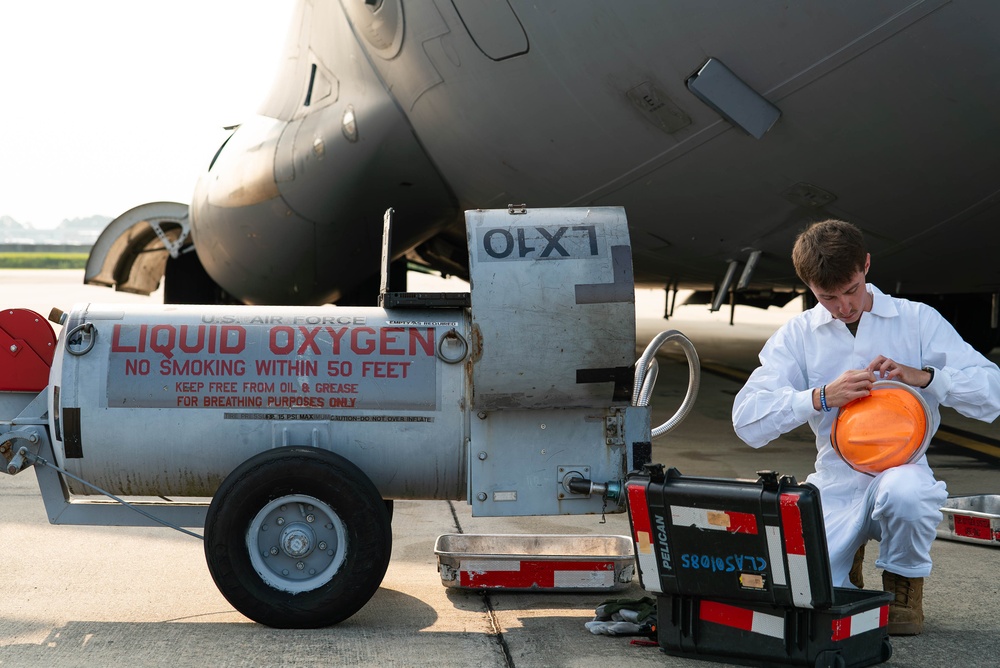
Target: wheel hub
point(296, 543)
point(297, 540)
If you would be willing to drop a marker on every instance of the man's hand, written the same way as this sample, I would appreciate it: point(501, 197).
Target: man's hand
point(887, 369)
point(850, 385)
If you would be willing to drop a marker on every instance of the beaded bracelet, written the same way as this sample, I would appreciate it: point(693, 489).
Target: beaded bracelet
point(822, 399)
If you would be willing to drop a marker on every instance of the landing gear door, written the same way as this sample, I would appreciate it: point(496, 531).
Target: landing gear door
point(553, 316)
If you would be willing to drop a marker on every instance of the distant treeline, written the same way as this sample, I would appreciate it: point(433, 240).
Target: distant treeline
point(45, 248)
point(43, 256)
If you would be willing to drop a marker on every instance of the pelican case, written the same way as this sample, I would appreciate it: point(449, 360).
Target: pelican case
point(742, 574)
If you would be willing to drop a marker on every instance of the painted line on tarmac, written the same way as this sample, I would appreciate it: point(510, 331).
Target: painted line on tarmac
point(987, 448)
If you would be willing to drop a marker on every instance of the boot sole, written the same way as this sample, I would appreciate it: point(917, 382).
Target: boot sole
point(905, 628)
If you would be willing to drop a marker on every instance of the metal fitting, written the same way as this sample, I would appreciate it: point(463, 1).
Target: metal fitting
point(612, 490)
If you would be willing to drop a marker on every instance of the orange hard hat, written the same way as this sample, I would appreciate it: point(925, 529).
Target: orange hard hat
point(885, 429)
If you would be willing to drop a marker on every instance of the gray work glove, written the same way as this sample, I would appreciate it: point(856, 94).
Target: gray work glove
point(624, 617)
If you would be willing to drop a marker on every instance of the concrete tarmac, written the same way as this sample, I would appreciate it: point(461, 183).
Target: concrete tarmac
point(138, 597)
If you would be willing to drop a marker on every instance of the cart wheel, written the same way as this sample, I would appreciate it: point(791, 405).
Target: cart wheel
point(886, 649)
point(297, 538)
point(830, 659)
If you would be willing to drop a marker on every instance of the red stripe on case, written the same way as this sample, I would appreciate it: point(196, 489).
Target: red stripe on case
point(637, 508)
point(791, 524)
point(727, 615)
point(742, 523)
point(841, 629)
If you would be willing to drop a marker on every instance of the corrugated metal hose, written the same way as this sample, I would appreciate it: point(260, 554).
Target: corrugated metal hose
point(647, 369)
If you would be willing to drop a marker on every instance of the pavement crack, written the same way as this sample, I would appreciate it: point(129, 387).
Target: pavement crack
point(454, 517)
point(498, 631)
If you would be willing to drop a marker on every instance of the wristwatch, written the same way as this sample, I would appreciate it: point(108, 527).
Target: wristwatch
point(930, 370)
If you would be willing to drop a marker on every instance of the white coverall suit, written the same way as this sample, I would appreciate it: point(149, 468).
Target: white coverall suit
point(899, 507)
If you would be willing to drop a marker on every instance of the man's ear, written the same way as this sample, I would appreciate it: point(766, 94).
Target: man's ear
point(868, 262)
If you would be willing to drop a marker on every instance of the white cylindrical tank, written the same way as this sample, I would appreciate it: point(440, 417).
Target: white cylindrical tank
point(168, 400)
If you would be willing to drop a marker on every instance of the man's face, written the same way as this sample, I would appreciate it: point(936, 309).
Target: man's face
point(846, 302)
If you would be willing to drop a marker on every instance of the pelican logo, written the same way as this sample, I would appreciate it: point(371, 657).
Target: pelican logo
point(661, 542)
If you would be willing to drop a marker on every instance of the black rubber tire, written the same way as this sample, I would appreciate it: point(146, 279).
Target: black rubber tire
point(343, 491)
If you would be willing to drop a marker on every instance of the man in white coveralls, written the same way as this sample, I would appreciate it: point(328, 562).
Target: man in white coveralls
point(832, 354)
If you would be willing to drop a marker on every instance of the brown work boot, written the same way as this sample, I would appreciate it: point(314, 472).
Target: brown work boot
point(857, 576)
point(906, 612)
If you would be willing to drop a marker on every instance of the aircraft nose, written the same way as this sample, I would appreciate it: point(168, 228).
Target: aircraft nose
point(248, 240)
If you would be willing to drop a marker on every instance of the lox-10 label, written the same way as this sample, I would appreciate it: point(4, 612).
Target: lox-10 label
point(539, 242)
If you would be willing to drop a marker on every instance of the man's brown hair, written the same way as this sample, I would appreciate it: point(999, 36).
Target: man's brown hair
point(828, 254)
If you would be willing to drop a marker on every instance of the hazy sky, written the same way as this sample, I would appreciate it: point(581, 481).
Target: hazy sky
point(107, 104)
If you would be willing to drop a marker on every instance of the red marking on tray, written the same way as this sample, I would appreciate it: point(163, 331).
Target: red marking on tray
point(973, 527)
point(540, 574)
